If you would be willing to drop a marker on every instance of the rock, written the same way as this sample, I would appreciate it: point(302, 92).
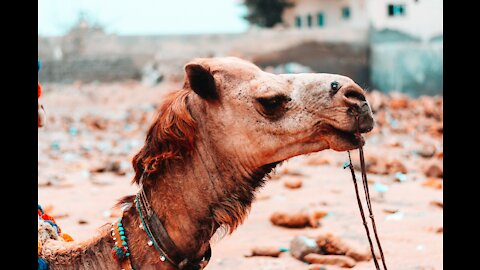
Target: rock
point(301, 245)
point(434, 168)
point(427, 151)
point(265, 251)
point(338, 260)
point(293, 183)
point(297, 220)
point(331, 245)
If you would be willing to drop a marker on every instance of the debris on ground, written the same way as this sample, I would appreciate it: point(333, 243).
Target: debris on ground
point(293, 183)
point(434, 168)
point(331, 245)
point(326, 249)
point(433, 183)
point(301, 219)
point(302, 245)
point(265, 251)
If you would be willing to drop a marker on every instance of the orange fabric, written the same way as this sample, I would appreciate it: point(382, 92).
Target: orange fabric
point(66, 237)
point(39, 90)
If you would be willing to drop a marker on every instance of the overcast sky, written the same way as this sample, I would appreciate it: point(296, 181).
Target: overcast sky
point(144, 17)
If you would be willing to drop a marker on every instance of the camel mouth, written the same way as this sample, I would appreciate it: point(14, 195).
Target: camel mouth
point(341, 140)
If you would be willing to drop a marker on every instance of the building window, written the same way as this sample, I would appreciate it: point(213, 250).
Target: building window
point(309, 20)
point(396, 10)
point(346, 13)
point(298, 21)
point(320, 19)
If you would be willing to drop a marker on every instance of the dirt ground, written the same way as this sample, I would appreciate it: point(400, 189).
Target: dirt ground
point(93, 131)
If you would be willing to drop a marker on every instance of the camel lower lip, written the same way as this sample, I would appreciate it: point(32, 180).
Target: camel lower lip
point(344, 141)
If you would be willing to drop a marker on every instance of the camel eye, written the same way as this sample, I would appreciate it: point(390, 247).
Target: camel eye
point(273, 106)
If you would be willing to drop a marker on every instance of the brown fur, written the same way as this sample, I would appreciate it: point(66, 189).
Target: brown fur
point(169, 137)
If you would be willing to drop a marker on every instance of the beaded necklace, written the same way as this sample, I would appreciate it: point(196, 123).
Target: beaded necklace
point(120, 251)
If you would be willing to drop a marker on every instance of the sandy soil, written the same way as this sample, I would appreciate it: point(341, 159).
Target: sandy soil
point(94, 126)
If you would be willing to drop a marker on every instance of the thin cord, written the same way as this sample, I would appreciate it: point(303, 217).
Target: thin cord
point(377, 266)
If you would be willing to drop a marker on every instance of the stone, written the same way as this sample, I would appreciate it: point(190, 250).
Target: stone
point(293, 183)
point(301, 245)
point(434, 168)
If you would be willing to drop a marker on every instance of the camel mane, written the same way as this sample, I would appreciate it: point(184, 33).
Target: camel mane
point(170, 137)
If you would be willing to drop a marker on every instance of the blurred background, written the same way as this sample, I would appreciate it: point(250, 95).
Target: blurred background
point(106, 65)
point(384, 45)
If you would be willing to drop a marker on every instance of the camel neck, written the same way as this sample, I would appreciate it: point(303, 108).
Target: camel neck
point(192, 199)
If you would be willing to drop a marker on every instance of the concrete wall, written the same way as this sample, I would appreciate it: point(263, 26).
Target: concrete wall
point(349, 59)
point(77, 54)
point(406, 64)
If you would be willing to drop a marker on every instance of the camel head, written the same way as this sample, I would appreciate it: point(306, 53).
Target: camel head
point(261, 118)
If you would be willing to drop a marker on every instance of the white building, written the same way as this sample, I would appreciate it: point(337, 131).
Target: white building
point(421, 18)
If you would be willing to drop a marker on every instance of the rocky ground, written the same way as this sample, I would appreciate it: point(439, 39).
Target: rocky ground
point(93, 131)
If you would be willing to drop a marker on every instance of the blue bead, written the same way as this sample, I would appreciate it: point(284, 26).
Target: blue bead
point(124, 243)
point(122, 237)
point(122, 233)
point(126, 248)
point(120, 229)
point(128, 254)
point(119, 224)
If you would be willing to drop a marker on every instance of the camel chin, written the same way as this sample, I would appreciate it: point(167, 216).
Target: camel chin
point(341, 141)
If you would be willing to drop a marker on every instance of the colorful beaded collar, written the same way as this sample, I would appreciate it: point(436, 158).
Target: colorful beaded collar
point(120, 251)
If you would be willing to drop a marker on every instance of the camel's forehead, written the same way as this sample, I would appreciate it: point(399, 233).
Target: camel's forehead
point(266, 82)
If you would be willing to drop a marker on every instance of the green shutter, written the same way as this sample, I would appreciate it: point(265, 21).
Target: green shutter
point(320, 19)
point(298, 21)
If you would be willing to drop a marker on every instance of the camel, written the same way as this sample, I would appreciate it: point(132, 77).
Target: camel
point(212, 145)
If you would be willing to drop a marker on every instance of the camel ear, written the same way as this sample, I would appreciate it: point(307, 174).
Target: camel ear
point(201, 81)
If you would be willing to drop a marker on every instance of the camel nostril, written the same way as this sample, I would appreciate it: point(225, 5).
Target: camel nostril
point(354, 95)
